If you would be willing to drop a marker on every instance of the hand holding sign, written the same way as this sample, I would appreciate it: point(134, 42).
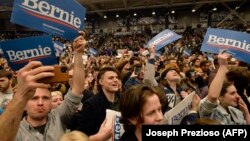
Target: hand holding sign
point(223, 57)
point(79, 43)
point(105, 131)
point(152, 51)
point(195, 103)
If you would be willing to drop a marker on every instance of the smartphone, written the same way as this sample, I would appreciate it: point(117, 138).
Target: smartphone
point(137, 70)
point(61, 75)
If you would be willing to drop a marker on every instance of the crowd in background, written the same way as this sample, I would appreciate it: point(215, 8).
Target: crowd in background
point(165, 77)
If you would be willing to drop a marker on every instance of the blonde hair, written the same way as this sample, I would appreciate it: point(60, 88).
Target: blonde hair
point(55, 93)
point(74, 136)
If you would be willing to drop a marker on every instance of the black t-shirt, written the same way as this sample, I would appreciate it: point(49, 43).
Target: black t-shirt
point(40, 129)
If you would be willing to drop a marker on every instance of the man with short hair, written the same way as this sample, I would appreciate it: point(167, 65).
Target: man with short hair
point(93, 113)
point(42, 124)
point(6, 90)
point(10, 119)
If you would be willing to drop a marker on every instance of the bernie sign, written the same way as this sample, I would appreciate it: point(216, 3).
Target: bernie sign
point(60, 18)
point(20, 52)
point(236, 43)
point(162, 39)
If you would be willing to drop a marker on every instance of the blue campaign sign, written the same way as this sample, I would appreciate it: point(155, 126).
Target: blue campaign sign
point(93, 51)
point(164, 38)
point(60, 18)
point(187, 52)
point(236, 43)
point(58, 48)
point(20, 52)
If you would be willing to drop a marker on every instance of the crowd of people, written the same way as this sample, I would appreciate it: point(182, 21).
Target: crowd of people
point(142, 86)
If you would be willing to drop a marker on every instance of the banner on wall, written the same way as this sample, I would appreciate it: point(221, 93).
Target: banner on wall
point(59, 18)
point(236, 43)
point(20, 52)
point(162, 39)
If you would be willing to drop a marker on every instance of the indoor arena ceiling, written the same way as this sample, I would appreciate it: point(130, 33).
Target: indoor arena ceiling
point(118, 5)
point(101, 6)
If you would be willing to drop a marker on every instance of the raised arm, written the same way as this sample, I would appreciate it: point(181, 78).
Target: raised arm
point(68, 108)
point(78, 73)
point(27, 83)
point(149, 76)
point(216, 85)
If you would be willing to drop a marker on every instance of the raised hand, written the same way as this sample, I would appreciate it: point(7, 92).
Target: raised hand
point(79, 43)
point(28, 76)
point(184, 94)
point(223, 57)
point(152, 51)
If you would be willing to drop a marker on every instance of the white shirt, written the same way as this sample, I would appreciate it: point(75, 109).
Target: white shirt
point(4, 99)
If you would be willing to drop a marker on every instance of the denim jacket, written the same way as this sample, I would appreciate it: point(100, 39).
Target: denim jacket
point(215, 111)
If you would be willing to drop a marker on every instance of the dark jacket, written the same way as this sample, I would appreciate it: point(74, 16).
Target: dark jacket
point(131, 82)
point(172, 98)
point(189, 119)
point(128, 136)
point(93, 114)
point(74, 121)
